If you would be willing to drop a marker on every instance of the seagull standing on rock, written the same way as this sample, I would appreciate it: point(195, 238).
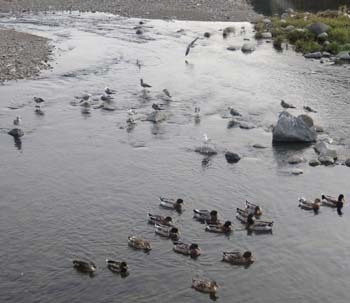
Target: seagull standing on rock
point(144, 84)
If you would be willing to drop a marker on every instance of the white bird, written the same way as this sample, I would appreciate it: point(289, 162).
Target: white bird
point(17, 121)
point(205, 139)
point(109, 91)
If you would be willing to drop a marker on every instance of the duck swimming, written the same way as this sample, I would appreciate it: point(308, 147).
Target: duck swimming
point(157, 219)
point(206, 216)
point(118, 267)
point(253, 209)
point(171, 203)
point(237, 258)
point(139, 243)
point(84, 266)
point(167, 231)
point(329, 201)
point(206, 286)
point(258, 225)
point(192, 250)
point(308, 205)
point(220, 228)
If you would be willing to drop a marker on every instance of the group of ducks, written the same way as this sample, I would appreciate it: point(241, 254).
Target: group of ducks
point(325, 200)
point(164, 227)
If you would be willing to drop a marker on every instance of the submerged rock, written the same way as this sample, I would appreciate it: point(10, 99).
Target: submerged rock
point(324, 151)
point(248, 47)
point(291, 129)
point(314, 162)
point(16, 133)
point(326, 160)
point(206, 150)
point(295, 159)
point(232, 157)
point(347, 162)
point(297, 171)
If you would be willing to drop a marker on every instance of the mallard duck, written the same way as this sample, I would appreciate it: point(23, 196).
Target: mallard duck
point(206, 286)
point(329, 201)
point(139, 243)
point(167, 231)
point(203, 215)
point(237, 258)
point(157, 219)
point(118, 267)
point(192, 250)
point(84, 266)
point(220, 228)
point(171, 203)
point(242, 215)
point(308, 205)
point(258, 225)
point(253, 209)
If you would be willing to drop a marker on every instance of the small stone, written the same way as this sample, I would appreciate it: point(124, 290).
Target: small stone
point(326, 160)
point(207, 35)
point(139, 32)
point(232, 157)
point(314, 162)
point(297, 171)
point(246, 125)
point(295, 159)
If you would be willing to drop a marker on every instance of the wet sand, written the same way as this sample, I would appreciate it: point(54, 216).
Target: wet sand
point(23, 55)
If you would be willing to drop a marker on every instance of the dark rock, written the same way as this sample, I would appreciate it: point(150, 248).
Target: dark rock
point(232, 157)
point(259, 146)
point(206, 150)
point(347, 162)
point(314, 162)
point(16, 133)
point(325, 160)
point(207, 35)
point(232, 123)
point(139, 31)
point(315, 55)
point(291, 129)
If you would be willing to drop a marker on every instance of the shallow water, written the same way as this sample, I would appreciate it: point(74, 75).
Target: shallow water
point(271, 7)
point(80, 184)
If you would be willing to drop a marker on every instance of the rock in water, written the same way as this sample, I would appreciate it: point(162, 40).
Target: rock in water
point(315, 55)
point(259, 146)
point(16, 133)
point(325, 160)
point(297, 171)
point(314, 162)
point(347, 162)
point(322, 149)
point(206, 150)
point(295, 159)
point(248, 47)
point(232, 157)
point(291, 129)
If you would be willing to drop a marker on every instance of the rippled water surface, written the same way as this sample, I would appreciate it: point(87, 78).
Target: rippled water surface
point(80, 184)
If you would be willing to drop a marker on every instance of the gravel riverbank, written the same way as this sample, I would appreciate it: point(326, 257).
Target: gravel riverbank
point(23, 55)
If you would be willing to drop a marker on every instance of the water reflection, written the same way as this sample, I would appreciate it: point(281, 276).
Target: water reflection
point(282, 152)
point(271, 7)
point(18, 143)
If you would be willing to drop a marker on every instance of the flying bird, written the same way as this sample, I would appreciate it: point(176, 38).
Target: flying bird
point(144, 85)
point(190, 46)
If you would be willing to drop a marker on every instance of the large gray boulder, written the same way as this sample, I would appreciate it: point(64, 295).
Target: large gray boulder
point(291, 129)
point(315, 55)
point(16, 133)
point(343, 57)
point(318, 28)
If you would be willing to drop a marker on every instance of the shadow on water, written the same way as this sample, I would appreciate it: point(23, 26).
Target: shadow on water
point(271, 7)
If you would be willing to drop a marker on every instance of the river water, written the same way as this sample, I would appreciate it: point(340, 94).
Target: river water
point(80, 184)
point(271, 7)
